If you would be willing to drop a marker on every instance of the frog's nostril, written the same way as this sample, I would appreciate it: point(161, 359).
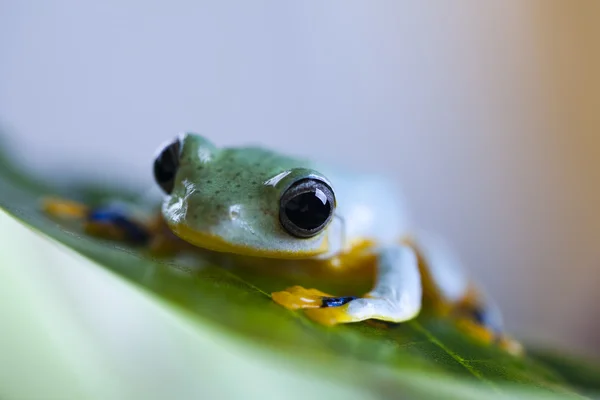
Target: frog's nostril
point(234, 212)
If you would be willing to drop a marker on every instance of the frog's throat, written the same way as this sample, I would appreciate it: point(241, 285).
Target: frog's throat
point(216, 243)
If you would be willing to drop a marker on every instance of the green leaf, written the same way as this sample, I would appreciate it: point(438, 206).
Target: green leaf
point(424, 358)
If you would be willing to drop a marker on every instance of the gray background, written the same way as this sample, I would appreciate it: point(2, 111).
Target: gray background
point(486, 113)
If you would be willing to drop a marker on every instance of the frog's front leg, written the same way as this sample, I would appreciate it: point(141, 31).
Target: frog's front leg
point(108, 222)
point(396, 296)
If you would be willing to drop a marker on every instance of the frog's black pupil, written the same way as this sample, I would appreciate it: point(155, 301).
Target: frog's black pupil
point(166, 165)
point(306, 207)
point(308, 210)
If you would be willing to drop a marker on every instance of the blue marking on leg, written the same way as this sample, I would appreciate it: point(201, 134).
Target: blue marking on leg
point(483, 317)
point(336, 301)
point(133, 231)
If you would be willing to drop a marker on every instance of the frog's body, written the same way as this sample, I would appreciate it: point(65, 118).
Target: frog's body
point(260, 206)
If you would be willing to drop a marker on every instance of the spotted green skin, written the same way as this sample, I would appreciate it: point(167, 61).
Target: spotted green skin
point(228, 200)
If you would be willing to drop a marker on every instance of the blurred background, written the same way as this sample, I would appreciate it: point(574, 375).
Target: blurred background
point(484, 113)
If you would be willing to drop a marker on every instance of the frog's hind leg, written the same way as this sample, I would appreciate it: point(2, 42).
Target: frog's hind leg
point(449, 291)
point(396, 296)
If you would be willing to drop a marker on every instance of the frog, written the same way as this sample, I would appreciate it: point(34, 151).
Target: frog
point(265, 207)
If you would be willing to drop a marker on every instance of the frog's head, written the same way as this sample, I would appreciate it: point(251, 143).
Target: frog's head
point(248, 201)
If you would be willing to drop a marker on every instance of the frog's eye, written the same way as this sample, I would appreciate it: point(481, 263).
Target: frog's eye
point(166, 165)
point(306, 207)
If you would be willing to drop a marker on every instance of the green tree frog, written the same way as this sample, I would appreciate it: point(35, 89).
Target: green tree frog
point(261, 205)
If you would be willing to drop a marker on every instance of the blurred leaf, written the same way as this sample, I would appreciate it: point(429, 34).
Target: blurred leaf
point(580, 373)
point(432, 352)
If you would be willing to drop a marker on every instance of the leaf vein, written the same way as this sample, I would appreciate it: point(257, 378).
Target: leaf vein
point(452, 354)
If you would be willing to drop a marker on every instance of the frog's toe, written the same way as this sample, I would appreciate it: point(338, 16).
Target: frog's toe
point(330, 316)
point(297, 297)
point(489, 336)
point(63, 208)
point(511, 345)
point(476, 330)
point(320, 306)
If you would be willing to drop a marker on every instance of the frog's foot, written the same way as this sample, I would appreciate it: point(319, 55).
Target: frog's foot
point(511, 345)
point(320, 306)
point(114, 224)
point(297, 297)
point(106, 222)
point(489, 336)
point(330, 310)
point(476, 330)
point(484, 325)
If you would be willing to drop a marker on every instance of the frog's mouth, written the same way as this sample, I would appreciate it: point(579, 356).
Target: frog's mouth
point(216, 243)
